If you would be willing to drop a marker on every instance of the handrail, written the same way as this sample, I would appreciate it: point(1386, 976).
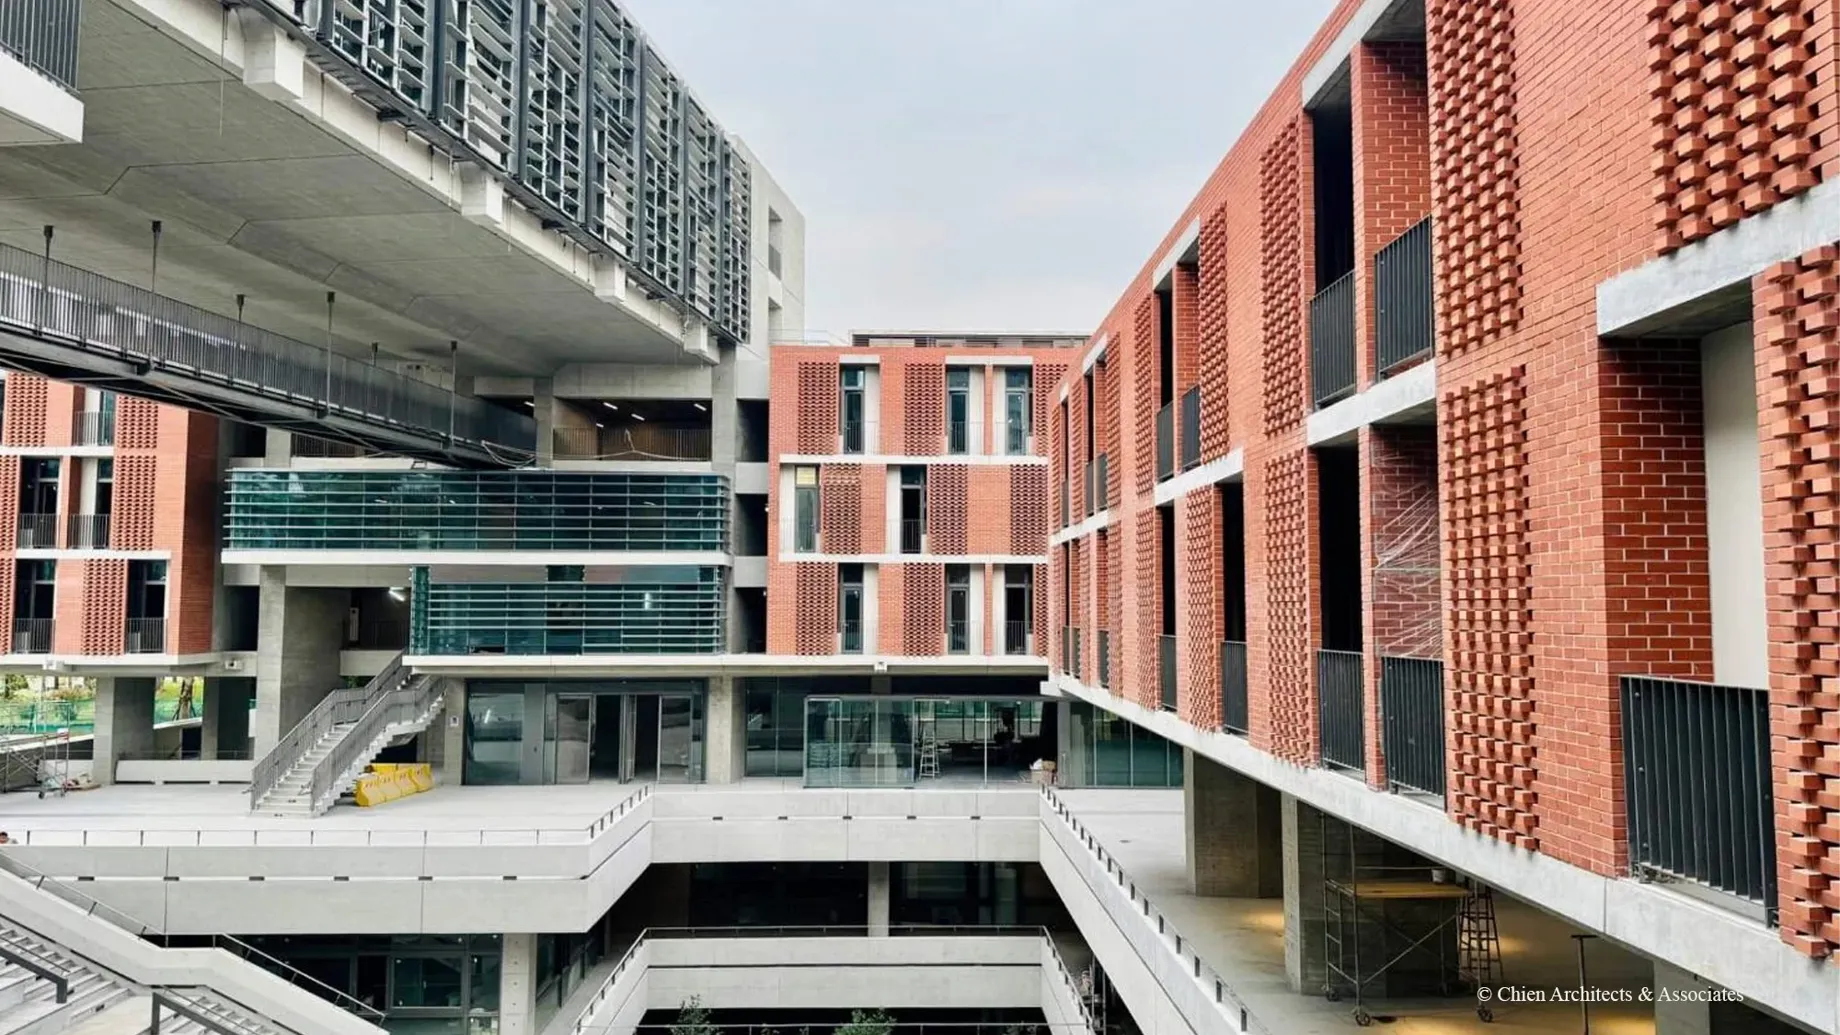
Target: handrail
point(175, 999)
point(60, 982)
point(235, 946)
point(342, 705)
point(402, 702)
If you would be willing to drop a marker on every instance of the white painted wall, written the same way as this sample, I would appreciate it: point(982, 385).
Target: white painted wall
point(1734, 508)
point(978, 589)
point(872, 620)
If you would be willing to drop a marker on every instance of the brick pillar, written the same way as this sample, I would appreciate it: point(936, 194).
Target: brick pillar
point(1233, 829)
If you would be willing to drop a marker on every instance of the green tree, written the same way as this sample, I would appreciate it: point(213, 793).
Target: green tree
point(692, 1019)
point(867, 1022)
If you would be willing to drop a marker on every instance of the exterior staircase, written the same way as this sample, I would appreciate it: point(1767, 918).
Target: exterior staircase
point(321, 759)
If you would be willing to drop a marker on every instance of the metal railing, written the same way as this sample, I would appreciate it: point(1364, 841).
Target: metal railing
point(145, 636)
point(395, 705)
point(1166, 671)
point(1332, 341)
point(1235, 712)
point(1341, 714)
point(312, 447)
point(1166, 442)
point(87, 532)
point(341, 706)
point(849, 636)
point(1697, 785)
point(31, 636)
point(1190, 428)
point(853, 436)
point(37, 532)
point(1016, 637)
point(913, 535)
point(1103, 480)
point(640, 443)
point(958, 637)
point(67, 893)
point(54, 300)
point(1104, 674)
point(93, 428)
point(1066, 502)
point(1070, 650)
point(1403, 325)
point(958, 437)
point(43, 34)
point(1092, 487)
point(1412, 723)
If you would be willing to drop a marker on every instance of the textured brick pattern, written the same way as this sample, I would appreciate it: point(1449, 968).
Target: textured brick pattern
point(1142, 682)
point(1476, 169)
point(1104, 605)
point(872, 490)
point(1201, 596)
point(1144, 366)
point(1489, 663)
point(1185, 306)
point(1075, 463)
point(817, 411)
point(1047, 374)
point(988, 499)
point(137, 491)
point(841, 508)
point(25, 421)
point(1028, 510)
point(924, 629)
point(1798, 372)
point(815, 616)
point(1405, 607)
point(1289, 669)
point(946, 506)
point(137, 423)
point(105, 594)
point(924, 408)
point(1731, 103)
point(1281, 358)
point(1211, 323)
point(1057, 463)
point(1107, 383)
point(1392, 169)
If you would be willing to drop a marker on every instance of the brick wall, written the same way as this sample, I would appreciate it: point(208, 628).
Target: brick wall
point(1392, 167)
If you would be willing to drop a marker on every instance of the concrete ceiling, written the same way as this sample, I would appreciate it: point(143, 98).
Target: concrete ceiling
point(257, 200)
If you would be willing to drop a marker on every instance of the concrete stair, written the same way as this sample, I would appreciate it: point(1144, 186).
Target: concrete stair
point(292, 794)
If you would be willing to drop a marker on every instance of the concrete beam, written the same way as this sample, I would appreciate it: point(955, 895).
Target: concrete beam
point(35, 110)
point(1327, 79)
point(1399, 399)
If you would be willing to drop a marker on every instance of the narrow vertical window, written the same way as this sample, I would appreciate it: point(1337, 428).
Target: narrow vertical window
point(958, 411)
point(1018, 409)
point(958, 609)
point(805, 509)
point(850, 608)
point(852, 383)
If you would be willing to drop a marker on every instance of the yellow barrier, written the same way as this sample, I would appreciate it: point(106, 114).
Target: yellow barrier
point(388, 781)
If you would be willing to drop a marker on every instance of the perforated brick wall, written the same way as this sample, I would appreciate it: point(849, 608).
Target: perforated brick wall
point(1288, 668)
point(25, 420)
point(1282, 356)
point(1058, 473)
point(872, 490)
point(891, 587)
point(105, 594)
point(1076, 449)
point(1185, 307)
point(1028, 509)
point(840, 490)
point(1489, 666)
point(1476, 169)
point(1144, 366)
point(137, 481)
point(1107, 384)
point(923, 632)
point(815, 610)
point(1213, 288)
point(1732, 109)
point(923, 389)
point(1144, 683)
point(137, 423)
point(946, 503)
point(1104, 609)
point(1046, 377)
point(816, 411)
point(1201, 596)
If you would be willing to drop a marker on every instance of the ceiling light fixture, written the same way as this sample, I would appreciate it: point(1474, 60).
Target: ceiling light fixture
point(701, 407)
point(638, 416)
point(610, 405)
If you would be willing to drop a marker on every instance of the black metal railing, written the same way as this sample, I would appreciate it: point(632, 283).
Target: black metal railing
point(1234, 710)
point(1403, 324)
point(1166, 671)
point(146, 636)
point(1190, 428)
point(109, 318)
point(1102, 484)
point(1104, 646)
point(38, 532)
point(1076, 656)
point(854, 436)
point(1166, 442)
point(43, 34)
point(849, 636)
point(1697, 785)
point(31, 636)
point(958, 637)
point(87, 532)
point(93, 428)
point(1340, 712)
point(1015, 637)
point(1092, 474)
point(913, 535)
point(1412, 723)
point(958, 437)
point(1066, 502)
point(1332, 340)
point(311, 447)
point(1067, 649)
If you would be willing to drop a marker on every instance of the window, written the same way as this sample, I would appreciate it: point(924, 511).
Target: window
point(805, 510)
point(1018, 608)
point(1018, 410)
point(913, 509)
point(105, 487)
point(146, 589)
point(1091, 418)
point(850, 608)
point(852, 381)
point(958, 411)
point(34, 599)
point(958, 609)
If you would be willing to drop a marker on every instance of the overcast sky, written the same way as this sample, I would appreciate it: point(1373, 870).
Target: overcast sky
point(980, 164)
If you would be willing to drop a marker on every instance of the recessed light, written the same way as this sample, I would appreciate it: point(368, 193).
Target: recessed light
point(638, 416)
point(529, 405)
point(598, 424)
point(610, 406)
point(701, 407)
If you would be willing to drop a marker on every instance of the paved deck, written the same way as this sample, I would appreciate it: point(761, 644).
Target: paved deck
point(1243, 940)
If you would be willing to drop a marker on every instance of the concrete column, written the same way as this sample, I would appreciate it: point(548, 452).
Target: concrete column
point(226, 715)
point(450, 761)
point(543, 407)
point(517, 986)
point(124, 721)
point(279, 448)
point(725, 731)
point(1235, 836)
point(302, 632)
point(879, 891)
point(1304, 964)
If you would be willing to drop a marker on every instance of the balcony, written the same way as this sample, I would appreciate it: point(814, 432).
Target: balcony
point(1166, 671)
point(849, 636)
point(1341, 713)
point(93, 428)
point(43, 35)
point(672, 611)
point(635, 443)
point(145, 636)
point(958, 437)
point(1697, 785)
point(1104, 674)
point(1404, 328)
point(1190, 428)
point(420, 510)
point(87, 532)
point(38, 532)
point(1235, 714)
point(1332, 341)
point(1017, 638)
point(958, 637)
point(1070, 651)
point(913, 535)
point(1097, 474)
point(854, 437)
point(1166, 442)
point(31, 636)
point(1412, 723)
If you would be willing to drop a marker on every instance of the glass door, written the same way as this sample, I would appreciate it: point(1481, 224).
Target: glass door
point(680, 758)
point(574, 735)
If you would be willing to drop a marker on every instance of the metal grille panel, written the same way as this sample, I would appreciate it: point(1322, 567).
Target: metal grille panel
point(648, 611)
point(1412, 723)
point(1404, 327)
point(1338, 686)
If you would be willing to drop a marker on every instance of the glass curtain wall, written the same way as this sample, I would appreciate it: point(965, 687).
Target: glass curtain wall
point(1104, 750)
point(888, 741)
point(581, 731)
point(424, 984)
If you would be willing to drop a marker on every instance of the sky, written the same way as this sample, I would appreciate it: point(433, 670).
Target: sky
point(990, 165)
